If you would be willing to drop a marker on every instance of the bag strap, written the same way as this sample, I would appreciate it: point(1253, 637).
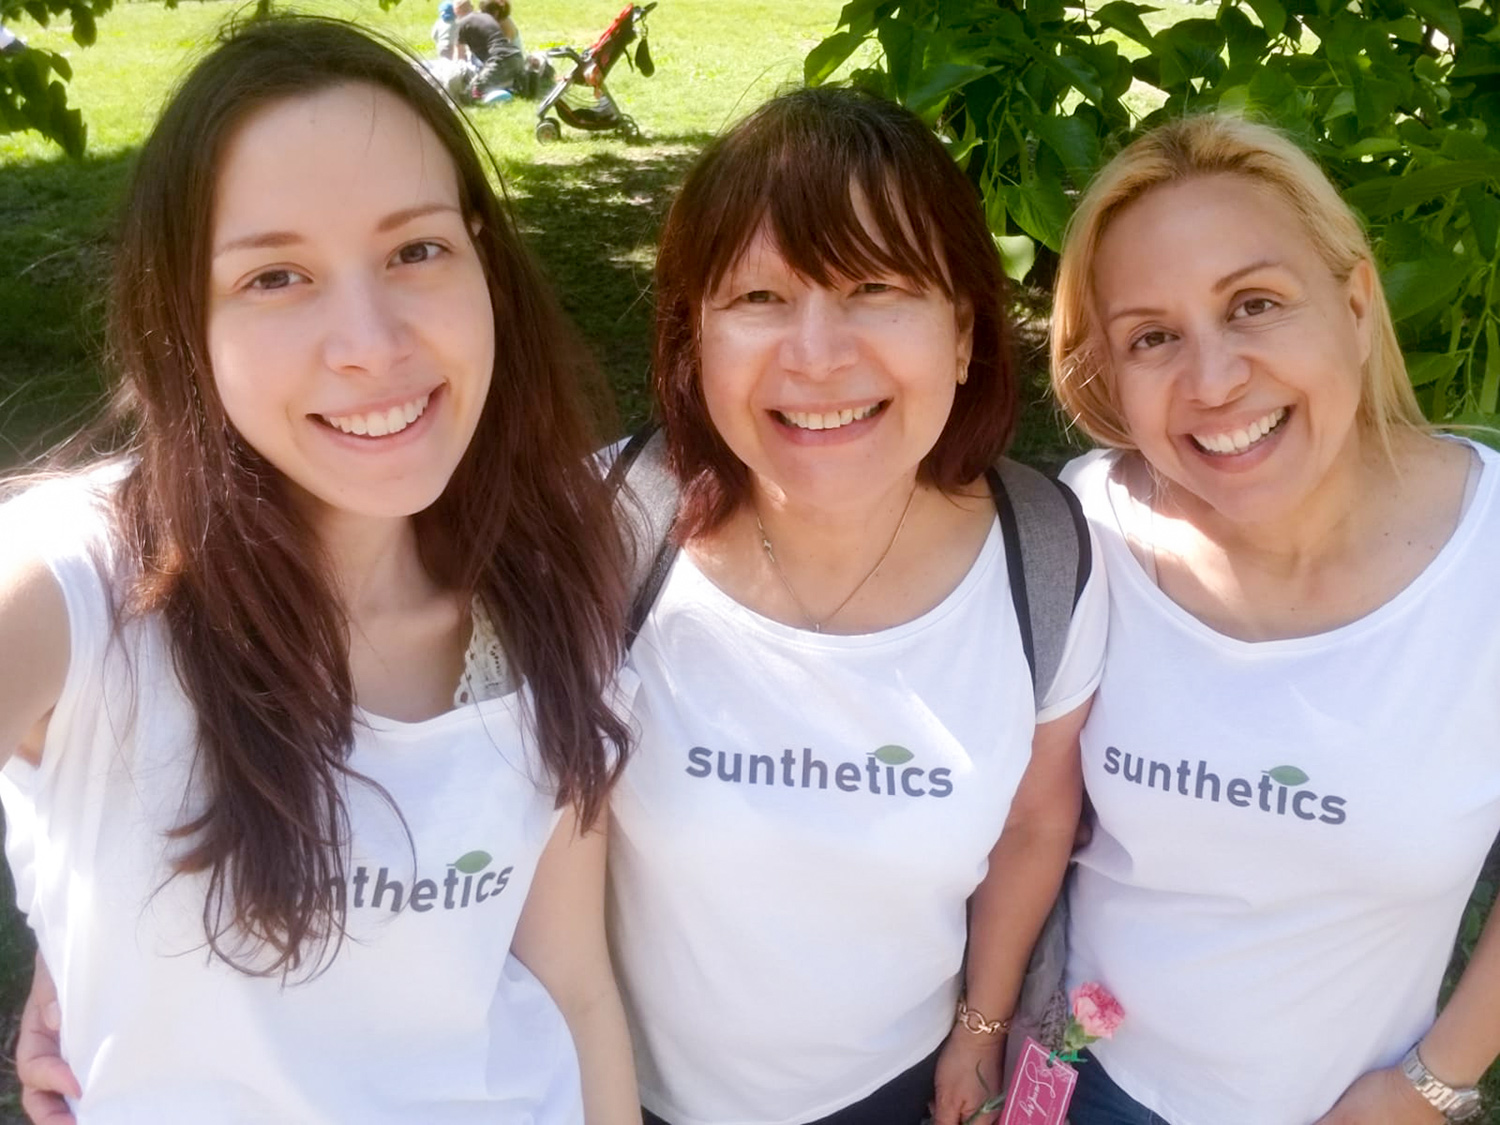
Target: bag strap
point(648, 510)
point(1048, 557)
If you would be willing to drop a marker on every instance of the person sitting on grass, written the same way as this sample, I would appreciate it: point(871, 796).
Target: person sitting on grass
point(498, 61)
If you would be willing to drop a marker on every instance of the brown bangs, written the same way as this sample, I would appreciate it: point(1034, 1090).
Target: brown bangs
point(807, 191)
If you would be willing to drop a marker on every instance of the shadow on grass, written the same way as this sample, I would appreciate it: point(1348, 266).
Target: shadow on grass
point(55, 222)
point(594, 223)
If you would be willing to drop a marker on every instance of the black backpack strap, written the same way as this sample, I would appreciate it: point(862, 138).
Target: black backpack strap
point(1048, 558)
point(648, 495)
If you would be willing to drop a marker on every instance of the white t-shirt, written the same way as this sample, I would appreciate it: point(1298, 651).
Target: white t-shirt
point(1288, 830)
point(423, 1015)
point(799, 829)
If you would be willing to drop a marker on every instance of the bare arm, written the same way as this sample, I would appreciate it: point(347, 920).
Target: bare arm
point(33, 653)
point(1008, 909)
point(1458, 1048)
point(560, 938)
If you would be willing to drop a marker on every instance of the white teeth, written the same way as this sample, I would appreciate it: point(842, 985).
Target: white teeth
point(830, 421)
point(380, 423)
point(1238, 441)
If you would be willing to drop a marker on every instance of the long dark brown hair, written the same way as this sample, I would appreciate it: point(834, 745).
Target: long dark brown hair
point(259, 639)
point(794, 165)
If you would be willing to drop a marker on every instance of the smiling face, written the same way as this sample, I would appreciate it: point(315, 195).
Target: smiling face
point(831, 393)
point(349, 323)
point(1236, 355)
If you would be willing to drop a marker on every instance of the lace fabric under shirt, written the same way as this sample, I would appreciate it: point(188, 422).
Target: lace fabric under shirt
point(486, 673)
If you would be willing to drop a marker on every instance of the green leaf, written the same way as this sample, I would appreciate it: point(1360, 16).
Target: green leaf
point(471, 863)
point(1443, 15)
point(1396, 193)
point(893, 755)
point(1371, 146)
point(1288, 775)
point(1126, 19)
point(1424, 368)
point(1041, 209)
point(1414, 286)
point(829, 55)
point(1484, 218)
point(931, 87)
point(1017, 255)
point(1271, 14)
point(1073, 140)
point(1489, 396)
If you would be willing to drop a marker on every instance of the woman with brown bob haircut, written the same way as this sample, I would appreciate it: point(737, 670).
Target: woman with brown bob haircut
point(1294, 753)
point(304, 693)
point(840, 743)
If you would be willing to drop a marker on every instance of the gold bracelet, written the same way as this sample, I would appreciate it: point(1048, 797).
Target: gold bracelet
point(975, 1023)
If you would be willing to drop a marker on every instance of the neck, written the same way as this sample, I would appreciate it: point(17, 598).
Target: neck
point(836, 537)
point(375, 564)
point(1330, 521)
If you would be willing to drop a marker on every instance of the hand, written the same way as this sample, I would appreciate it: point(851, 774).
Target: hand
point(45, 1078)
point(1381, 1097)
point(968, 1074)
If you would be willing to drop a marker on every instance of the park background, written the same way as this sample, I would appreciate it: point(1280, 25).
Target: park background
point(1400, 100)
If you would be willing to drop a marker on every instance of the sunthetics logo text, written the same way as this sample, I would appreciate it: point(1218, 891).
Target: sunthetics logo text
point(1280, 791)
point(466, 882)
point(887, 772)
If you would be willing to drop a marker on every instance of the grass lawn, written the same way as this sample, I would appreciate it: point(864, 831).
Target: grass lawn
point(590, 204)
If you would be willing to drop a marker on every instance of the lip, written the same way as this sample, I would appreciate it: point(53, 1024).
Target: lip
point(437, 397)
point(1241, 462)
point(849, 431)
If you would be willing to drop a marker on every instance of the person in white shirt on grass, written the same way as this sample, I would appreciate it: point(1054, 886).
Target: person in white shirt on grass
point(1295, 750)
point(310, 696)
point(841, 749)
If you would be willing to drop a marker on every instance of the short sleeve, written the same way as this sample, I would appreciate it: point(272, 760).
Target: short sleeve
point(1082, 663)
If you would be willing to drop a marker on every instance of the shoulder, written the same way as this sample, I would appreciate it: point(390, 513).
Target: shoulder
point(1087, 475)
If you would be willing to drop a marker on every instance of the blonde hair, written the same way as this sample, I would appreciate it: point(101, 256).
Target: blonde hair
point(1182, 150)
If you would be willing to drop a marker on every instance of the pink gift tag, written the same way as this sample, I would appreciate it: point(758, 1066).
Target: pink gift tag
point(1039, 1092)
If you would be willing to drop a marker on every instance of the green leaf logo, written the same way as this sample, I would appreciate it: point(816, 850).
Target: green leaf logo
point(1288, 775)
point(893, 755)
point(472, 862)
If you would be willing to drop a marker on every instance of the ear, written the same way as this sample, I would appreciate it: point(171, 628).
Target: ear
point(963, 314)
point(1360, 293)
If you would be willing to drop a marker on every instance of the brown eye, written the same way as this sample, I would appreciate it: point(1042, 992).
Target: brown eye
point(414, 253)
point(270, 280)
point(1254, 306)
point(1148, 340)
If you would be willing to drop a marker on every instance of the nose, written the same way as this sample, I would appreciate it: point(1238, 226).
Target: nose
point(819, 339)
point(364, 330)
point(1220, 369)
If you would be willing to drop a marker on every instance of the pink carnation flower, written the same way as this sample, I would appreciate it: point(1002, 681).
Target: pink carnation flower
point(1098, 1013)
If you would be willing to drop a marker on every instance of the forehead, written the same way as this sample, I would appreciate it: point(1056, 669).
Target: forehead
point(1192, 232)
point(347, 150)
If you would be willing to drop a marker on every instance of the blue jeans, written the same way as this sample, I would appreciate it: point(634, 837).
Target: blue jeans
point(901, 1101)
point(1098, 1101)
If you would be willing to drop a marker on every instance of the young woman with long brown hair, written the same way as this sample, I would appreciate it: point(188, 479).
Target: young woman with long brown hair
point(306, 695)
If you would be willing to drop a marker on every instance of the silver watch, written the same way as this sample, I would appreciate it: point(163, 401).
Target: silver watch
point(1455, 1103)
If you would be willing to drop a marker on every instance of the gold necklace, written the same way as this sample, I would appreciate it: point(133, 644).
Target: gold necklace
point(813, 622)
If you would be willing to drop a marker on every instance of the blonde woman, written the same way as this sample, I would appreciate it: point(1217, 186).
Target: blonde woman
point(1295, 749)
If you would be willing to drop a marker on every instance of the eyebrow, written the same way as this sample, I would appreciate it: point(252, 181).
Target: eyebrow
point(1218, 287)
point(275, 239)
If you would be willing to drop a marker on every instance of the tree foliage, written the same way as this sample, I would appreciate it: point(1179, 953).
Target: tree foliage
point(33, 91)
point(1400, 102)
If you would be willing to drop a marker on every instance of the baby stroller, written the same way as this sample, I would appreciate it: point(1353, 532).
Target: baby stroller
point(579, 96)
